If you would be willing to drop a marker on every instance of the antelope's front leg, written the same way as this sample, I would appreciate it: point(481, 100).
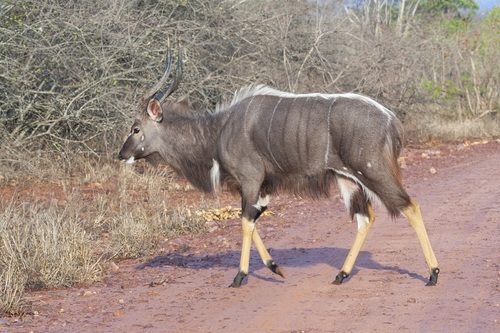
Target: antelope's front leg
point(250, 233)
point(265, 256)
point(248, 227)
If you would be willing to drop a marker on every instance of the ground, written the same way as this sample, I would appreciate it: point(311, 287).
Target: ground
point(458, 188)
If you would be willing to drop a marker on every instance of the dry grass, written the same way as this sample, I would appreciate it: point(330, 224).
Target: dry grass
point(42, 247)
point(62, 234)
point(438, 127)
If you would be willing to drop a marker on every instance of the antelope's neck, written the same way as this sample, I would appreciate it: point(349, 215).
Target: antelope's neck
point(191, 147)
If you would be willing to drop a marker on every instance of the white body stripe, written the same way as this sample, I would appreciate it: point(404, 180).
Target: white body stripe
point(328, 134)
point(347, 189)
point(269, 136)
point(368, 193)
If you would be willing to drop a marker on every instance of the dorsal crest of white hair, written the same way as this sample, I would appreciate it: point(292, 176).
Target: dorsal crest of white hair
point(260, 89)
point(242, 93)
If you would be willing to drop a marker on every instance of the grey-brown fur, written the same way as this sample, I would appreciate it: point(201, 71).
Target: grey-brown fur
point(184, 142)
point(272, 140)
point(303, 143)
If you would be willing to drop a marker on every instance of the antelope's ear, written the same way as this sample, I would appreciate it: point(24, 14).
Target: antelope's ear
point(154, 110)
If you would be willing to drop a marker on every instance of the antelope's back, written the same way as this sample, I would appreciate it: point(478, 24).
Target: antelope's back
point(305, 134)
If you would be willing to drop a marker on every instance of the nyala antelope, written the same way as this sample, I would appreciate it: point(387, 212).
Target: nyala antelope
point(266, 140)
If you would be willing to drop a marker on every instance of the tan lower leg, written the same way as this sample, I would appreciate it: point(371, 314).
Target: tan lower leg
point(248, 228)
point(414, 216)
point(265, 256)
point(363, 229)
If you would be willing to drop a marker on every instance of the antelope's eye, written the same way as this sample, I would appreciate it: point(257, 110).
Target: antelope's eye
point(136, 130)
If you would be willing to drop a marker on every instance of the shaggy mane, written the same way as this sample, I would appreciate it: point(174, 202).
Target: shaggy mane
point(242, 93)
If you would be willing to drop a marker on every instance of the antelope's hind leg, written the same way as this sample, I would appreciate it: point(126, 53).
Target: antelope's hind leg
point(250, 233)
point(365, 223)
point(359, 207)
point(414, 216)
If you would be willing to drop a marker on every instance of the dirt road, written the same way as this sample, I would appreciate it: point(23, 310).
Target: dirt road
point(458, 188)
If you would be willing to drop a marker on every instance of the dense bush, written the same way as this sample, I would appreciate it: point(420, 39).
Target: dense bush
point(73, 71)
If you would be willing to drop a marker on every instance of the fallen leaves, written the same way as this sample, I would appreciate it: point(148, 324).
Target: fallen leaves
point(224, 213)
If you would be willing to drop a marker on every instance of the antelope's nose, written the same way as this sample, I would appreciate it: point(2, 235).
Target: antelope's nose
point(120, 156)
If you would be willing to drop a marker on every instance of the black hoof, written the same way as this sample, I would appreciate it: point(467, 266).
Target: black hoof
point(237, 280)
point(275, 268)
point(433, 280)
point(340, 277)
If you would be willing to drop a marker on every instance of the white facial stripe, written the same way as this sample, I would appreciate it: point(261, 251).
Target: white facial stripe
point(130, 160)
point(142, 149)
point(142, 138)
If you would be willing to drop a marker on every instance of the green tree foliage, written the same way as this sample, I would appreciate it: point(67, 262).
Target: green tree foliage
point(468, 79)
point(450, 8)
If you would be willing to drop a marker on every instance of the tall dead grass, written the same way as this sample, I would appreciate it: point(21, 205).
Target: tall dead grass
point(64, 233)
point(42, 247)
